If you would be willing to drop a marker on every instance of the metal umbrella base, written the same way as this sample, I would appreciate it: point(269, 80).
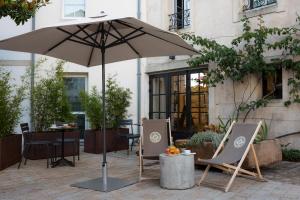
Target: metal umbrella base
point(97, 184)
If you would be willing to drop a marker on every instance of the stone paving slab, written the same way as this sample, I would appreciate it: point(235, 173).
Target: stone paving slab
point(34, 182)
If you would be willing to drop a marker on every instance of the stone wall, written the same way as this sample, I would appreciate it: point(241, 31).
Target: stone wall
point(220, 20)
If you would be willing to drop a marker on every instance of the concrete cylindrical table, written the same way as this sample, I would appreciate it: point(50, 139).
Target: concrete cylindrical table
point(177, 171)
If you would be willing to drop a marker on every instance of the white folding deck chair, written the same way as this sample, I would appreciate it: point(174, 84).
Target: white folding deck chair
point(231, 158)
point(155, 138)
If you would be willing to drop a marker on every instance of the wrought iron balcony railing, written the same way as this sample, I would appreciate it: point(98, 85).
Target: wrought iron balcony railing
point(252, 4)
point(180, 20)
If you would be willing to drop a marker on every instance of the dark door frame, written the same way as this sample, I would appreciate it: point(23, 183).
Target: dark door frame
point(167, 76)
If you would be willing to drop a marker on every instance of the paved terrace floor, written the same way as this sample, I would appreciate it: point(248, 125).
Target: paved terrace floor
point(35, 181)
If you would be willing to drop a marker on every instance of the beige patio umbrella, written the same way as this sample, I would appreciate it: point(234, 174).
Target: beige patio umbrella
point(98, 41)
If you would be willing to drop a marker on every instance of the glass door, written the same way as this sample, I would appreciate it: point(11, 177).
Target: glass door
point(178, 109)
point(74, 85)
point(199, 101)
point(183, 97)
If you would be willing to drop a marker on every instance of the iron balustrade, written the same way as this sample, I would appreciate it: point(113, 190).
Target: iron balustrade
point(252, 4)
point(180, 20)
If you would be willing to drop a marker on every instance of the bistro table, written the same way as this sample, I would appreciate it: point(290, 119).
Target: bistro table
point(63, 161)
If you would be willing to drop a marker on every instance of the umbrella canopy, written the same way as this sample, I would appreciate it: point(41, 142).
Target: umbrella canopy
point(91, 42)
point(81, 41)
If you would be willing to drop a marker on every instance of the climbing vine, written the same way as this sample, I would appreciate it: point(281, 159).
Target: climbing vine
point(20, 10)
point(245, 58)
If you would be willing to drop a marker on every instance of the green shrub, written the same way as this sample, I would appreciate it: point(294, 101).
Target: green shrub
point(207, 136)
point(262, 134)
point(291, 155)
point(10, 104)
point(117, 102)
point(92, 104)
point(49, 99)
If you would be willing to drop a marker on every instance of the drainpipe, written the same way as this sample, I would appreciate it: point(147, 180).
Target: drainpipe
point(138, 76)
point(32, 79)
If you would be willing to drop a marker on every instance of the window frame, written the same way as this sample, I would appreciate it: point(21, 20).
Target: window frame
point(85, 76)
point(279, 71)
point(249, 5)
point(185, 16)
point(63, 11)
point(168, 78)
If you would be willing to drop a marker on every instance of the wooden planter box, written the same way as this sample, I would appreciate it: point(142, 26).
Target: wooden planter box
point(93, 140)
point(203, 151)
point(10, 150)
point(268, 152)
point(40, 151)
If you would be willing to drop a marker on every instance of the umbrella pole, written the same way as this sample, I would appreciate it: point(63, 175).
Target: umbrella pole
point(104, 163)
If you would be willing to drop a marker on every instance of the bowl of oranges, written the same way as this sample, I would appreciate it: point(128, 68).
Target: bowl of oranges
point(172, 151)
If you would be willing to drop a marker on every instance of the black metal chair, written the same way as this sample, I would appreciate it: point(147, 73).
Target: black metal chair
point(130, 136)
point(28, 143)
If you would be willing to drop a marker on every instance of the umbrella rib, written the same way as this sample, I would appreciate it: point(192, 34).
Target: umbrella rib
point(88, 35)
point(94, 34)
point(107, 33)
point(92, 51)
point(125, 24)
point(120, 39)
point(74, 35)
point(121, 42)
point(53, 47)
point(86, 44)
point(125, 40)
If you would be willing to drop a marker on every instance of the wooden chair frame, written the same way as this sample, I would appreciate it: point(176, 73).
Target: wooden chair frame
point(141, 142)
point(235, 170)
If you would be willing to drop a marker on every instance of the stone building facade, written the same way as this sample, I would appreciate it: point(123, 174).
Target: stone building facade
point(221, 20)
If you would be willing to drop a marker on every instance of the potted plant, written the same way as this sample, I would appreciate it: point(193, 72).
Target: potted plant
point(49, 104)
point(10, 112)
point(117, 102)
point(204, 144)
point(268, 151)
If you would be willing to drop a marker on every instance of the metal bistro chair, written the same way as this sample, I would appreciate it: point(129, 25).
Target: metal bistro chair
point(28, 143)
point(130, 136)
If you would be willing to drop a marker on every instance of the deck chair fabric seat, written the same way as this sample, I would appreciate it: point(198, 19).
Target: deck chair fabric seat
point(155, 138)
point(237, 143)
point(231, 158)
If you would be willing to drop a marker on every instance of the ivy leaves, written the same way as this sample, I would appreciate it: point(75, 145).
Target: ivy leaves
point(20, 10)
point(246, 56)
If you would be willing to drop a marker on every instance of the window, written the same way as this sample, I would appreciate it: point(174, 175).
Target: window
point(252, 4)
point(272, 84)
point(74, 8)
point(181, 17)
point(74, 85)
point(182, 97)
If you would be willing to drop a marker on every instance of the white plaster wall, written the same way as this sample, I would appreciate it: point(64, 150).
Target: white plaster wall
point(15, 62)
point(125, 72)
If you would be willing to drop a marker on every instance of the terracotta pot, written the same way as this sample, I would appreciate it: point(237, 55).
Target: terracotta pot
point(203, 151)
point(268, 152)
point(40, 151)
point(93, 140)
point(10, 150)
